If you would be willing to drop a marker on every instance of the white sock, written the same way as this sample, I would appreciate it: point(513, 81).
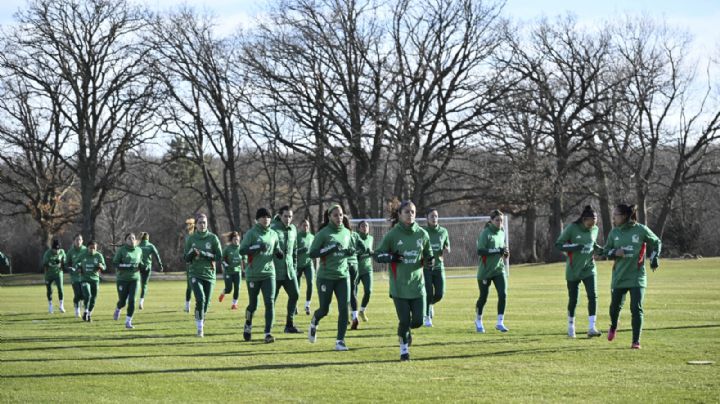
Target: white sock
point(591, 320)
point(307, 303)
point(199, 324)
point(478, 318)
point(128, 319)
point(404, 349)
point(500, 319)
point(61, 303)
point(363, 309)
point(571, 321)
point(354, 315)
point(142, 300)
point(430, 310)
point(87, 311)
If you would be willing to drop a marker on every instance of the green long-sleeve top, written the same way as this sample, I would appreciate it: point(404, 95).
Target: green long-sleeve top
point(364, 253)
point(333, 245)
point(285, 268)
point(579, 244)
point(203, 264)
point(148, 252)
point(260, 263)
point(232, 259)
point(413, 243)
point(127, 263)
point(354, 240)
point(90, 265)
point(439, 240)
point(53, 262)
point(74, 254)
point(633, 238)
point(304, 241)
point(490, 244)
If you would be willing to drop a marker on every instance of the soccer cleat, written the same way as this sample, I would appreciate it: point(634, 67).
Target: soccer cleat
point(77, 312)
point(247, 332)
point(50, 308)
point(291, 329)
point(269, 339)
point(593, 333)
point(571, 332)
point(405, 357)
point(363, 316)
point(312, 334)
point(501, 328)
point(635, 345)
point(354, 325)
point(128, 325)
point(428, 321)
point(479, 327)
point(62, 308)
point(84, 316)
point(89, 319)
point(611, 333)
point(340, 345)
point(234, 306)
point(200, 332)
point(116, 314)
point(221, 297)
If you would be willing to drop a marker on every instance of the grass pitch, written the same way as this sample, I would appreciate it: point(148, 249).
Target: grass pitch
point(58, 358)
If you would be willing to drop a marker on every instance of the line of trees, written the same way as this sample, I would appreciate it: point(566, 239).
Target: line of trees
point(115, 118)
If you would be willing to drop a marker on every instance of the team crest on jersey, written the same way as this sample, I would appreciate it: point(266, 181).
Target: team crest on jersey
point(207, 245)
point(635, 238)
point(419, 242)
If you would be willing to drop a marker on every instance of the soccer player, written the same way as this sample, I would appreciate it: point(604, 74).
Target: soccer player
point(333, 245)
point(406, 247)
point(89, 265)
point(628, 244)
point(579, 242)
point(204, 254)
point(73, 257)
point(127, 261)
point(352, 262)
point(189, 230)
point(491, 269)
point(148, 252)
point(260, 244)
point(305, 264)
point(53, 263)
point(4, 260)
point(365, 266)
point(233, 264)
point(286, 267)
point(435, 275)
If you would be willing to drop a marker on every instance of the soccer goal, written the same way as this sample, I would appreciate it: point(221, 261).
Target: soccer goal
point(463, 233)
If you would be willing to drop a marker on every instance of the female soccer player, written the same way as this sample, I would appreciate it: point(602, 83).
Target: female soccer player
point(285, 268)
point(127, 261)
point(406, 247)
point(204, 254)
point(189, 230)
point(492, 250)
point(333, 245)
point(627, 244)
point(89, 266)
point(352, 262)
point(148, 252)
point(365, 266)
point(579, 242)
point(435, 275)
point(233, 264)
point(74, 254)
point(305, 264)
point(53, 263)
point(260, 244)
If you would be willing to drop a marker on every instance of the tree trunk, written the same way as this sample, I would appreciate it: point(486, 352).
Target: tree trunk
point(530, 247)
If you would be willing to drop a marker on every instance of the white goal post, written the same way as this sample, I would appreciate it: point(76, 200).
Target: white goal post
point(463, 232)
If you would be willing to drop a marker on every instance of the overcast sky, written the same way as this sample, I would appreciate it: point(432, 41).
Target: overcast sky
point(700, 17)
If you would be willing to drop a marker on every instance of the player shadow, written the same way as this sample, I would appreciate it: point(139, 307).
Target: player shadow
point(293, 366)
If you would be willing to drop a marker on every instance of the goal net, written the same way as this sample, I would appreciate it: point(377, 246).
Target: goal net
point(462, 231)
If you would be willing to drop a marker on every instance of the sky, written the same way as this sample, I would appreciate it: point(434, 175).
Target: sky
point(699, 17)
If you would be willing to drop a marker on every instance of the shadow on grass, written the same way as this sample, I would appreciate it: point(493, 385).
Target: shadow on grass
point(292, 366)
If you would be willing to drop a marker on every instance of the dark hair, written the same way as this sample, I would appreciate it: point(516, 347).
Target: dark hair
point(199, 216)
point(283, 209)
point(128, 235)
point(144, 236)
point(232, 235)
point(262, 212)
point(495, 213)
point(360, 223)
point(429, 211)
point(326, 214)
point(346, 222)
point(629, 211)
point(77, 235)
point(587, 212)
point(55, 244)
point(395, 208)
point(92, 242)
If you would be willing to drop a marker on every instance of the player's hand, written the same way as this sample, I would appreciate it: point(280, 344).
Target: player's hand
point(654, 264)
point(279, 254)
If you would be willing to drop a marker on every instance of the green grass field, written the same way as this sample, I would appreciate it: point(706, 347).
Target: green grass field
point(57, 358)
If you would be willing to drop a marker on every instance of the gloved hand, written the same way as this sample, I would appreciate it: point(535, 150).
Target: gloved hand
point(397, 257)
point(279, 254)
point(654, 264)
point(349, 252)
point(259, 247)
point(505, 252)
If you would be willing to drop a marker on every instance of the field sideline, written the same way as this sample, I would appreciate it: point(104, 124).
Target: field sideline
point(57, 358)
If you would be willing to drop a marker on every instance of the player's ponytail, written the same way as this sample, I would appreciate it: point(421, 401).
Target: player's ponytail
point(629, 211)
point(587, 212)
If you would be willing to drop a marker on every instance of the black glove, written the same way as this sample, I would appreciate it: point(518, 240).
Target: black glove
point(397, 257)
point(279, 254)
point(259, 247)
point(349, 252)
